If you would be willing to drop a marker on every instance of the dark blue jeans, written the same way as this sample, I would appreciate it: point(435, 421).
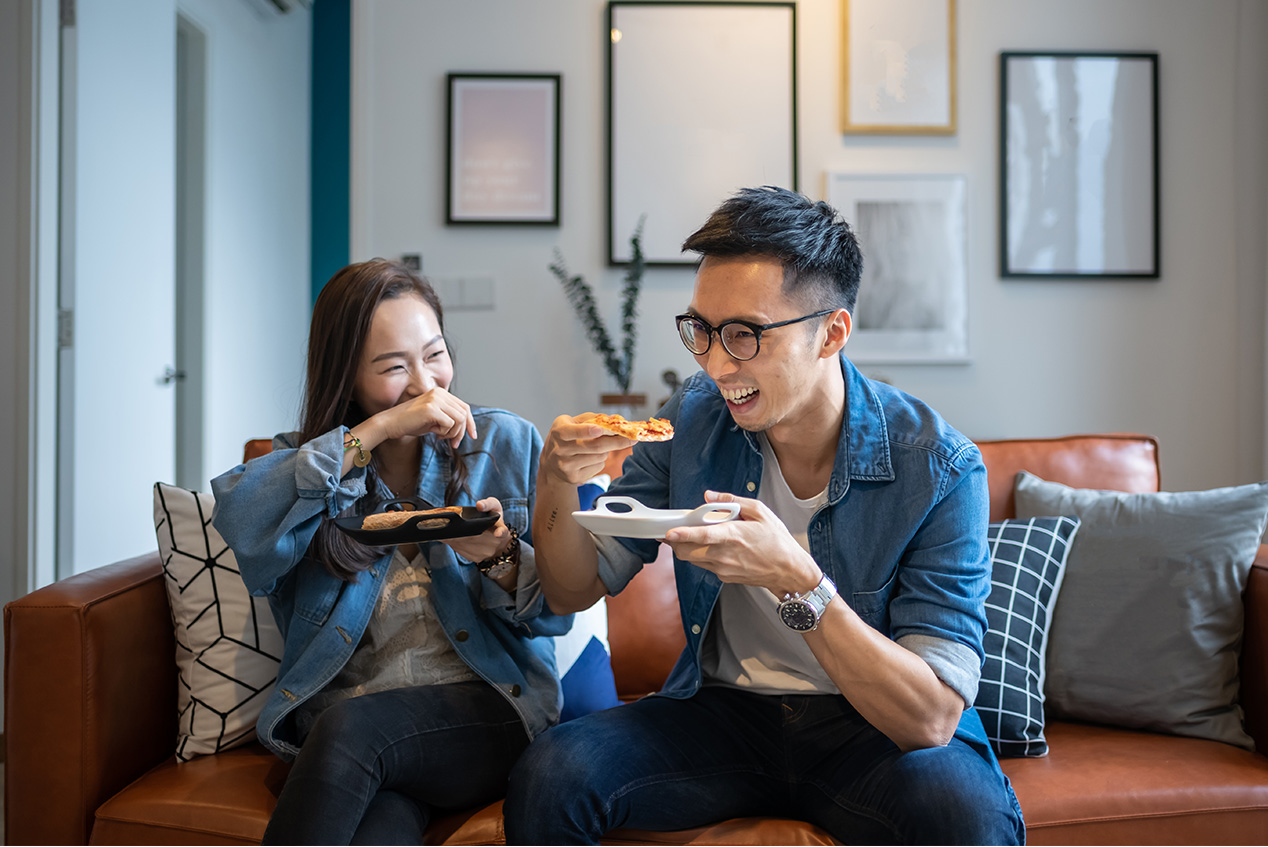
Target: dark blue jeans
point(374, 767)
point(662, 764)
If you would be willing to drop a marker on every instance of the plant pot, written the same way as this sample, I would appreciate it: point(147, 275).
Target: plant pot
point(629, 406)
point(637, 400)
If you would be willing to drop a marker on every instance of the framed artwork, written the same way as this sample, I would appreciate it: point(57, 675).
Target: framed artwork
point(913, 298)
point(1079, 165)
point(898, 67)
point(503, 149)
point(701, 103)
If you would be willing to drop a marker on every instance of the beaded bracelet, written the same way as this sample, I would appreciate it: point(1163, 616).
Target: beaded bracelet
point(363, 456)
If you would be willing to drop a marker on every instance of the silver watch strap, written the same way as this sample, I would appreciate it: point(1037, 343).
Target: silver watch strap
point(821, 595)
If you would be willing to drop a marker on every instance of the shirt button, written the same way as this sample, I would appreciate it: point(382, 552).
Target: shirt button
point(752, 486)
point(515, 690)
point(695, 629)
point(461, 635)
point(409, 571)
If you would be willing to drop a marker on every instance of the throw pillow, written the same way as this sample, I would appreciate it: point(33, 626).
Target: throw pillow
point(1028, 560)
point(1148, 631)
point(227, 644)
point(584, 662)
point(582, 655)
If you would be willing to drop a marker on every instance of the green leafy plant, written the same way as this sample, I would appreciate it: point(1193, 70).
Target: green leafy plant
point(619, 365)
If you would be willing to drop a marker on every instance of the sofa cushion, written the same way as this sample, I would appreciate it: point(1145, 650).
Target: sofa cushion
point(227, 644)
point(1147, 631)
point(222, 799)
point(1028, 559)
point(1102, 785)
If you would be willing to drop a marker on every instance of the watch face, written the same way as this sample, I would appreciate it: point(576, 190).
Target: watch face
point(798, 615)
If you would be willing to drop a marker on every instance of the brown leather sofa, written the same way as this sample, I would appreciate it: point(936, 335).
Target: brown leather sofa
point(90, 716)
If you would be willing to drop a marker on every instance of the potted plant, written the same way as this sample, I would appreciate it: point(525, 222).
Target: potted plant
point(618, 363)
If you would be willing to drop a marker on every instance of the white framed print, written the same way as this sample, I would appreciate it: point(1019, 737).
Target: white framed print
point(913, 297)
point(702, 101)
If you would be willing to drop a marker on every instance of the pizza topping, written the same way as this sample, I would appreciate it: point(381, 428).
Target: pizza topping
point(654, 429)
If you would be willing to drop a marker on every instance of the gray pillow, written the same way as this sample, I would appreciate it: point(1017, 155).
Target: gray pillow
point(1147, 631)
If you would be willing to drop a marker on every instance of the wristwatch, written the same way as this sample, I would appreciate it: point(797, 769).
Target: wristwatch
point(802, 613)
point(503, 563)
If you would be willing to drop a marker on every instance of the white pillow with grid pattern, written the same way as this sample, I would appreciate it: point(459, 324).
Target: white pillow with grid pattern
point(227, 645)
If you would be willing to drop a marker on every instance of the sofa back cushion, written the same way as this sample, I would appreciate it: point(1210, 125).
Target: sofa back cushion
point(1119, 462)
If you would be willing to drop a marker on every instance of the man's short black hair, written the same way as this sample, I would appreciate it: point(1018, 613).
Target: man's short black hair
point(821, 257)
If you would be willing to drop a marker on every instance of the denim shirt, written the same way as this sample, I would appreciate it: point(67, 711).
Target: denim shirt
point(268, 511)
point(903, 532)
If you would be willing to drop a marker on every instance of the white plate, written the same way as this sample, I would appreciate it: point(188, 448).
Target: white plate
point(642, 522)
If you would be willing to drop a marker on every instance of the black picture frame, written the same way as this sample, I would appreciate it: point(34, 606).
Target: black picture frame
point(1079, 165)
point(701, 101)
point(503, 149)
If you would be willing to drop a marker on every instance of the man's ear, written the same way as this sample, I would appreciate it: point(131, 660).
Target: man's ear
point(840, 324)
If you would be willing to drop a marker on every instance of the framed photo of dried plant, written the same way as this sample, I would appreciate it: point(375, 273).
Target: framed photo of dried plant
point(1079, 167)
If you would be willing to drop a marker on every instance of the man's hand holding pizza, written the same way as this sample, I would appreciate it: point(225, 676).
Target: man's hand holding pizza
point(754, 549)
point(577, 448)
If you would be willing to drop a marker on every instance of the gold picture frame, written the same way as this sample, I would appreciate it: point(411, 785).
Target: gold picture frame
point(898, 67)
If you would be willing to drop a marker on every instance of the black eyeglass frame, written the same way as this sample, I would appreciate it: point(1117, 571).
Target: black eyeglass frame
point(757, 329)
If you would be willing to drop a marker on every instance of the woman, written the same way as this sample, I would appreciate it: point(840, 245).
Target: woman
point(410, 680)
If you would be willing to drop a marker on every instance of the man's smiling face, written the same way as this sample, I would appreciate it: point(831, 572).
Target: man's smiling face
point(781, 383)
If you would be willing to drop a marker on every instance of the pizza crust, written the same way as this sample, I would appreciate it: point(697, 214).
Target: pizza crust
point(653, 429)
point(391, 520)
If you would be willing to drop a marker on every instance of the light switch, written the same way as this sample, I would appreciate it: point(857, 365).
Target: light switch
point(477, 292)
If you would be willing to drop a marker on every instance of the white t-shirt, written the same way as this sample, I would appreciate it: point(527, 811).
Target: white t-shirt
point(747, 645)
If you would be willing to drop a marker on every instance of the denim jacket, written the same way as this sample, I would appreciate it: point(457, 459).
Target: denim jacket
point(269, 509)
point(903, 534)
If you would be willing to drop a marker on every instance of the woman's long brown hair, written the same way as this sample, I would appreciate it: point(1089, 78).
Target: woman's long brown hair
point(341, 322)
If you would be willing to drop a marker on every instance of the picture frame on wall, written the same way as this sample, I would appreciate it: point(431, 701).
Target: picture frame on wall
point(503, 149)
point(701, 102)
point(1079, 165)
point(912, 306)
point(898, 67)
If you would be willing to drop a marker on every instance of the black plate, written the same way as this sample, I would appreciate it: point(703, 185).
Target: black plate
point(470, 521)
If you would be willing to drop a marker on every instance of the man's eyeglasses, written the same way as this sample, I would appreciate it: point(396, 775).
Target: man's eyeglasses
point(742, 339)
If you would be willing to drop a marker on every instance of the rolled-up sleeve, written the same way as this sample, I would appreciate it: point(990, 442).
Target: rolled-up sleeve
point(953, 663)
point(269, 509)
point(939, 610)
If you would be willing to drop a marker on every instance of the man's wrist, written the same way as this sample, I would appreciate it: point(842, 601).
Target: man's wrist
point(803, 577)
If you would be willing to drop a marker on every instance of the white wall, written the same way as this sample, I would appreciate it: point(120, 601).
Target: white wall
point(17, 258)
point(1048, 358)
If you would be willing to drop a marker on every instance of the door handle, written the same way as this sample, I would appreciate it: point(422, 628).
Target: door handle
point(170, 375)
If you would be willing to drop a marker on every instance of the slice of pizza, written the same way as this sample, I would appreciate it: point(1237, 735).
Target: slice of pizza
point(391, 520)
point(653, 429)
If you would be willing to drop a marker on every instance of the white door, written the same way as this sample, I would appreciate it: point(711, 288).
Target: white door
point(119, 209)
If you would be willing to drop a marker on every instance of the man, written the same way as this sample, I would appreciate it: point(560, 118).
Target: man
point(834, 631)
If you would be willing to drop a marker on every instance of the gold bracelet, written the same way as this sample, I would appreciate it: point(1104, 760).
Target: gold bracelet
point(363, 456)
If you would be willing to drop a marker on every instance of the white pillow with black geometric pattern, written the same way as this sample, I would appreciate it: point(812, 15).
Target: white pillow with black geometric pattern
point(227, 644)
point(1028, 559)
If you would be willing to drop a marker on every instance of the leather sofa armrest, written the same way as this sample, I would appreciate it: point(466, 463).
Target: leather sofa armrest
point(1255, 652)
point(90, 696)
